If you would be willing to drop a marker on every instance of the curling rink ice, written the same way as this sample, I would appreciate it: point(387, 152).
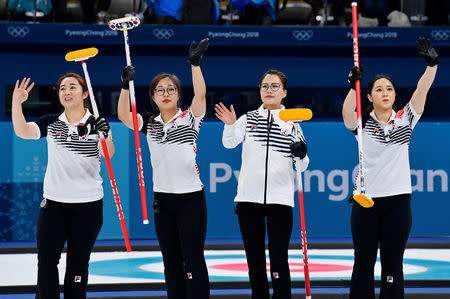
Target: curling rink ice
point(223, 265)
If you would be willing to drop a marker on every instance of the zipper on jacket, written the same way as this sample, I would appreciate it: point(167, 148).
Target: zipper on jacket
point(269, 125)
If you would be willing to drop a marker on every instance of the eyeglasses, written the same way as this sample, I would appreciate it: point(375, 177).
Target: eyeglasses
point(170, 90)
point(273, 86)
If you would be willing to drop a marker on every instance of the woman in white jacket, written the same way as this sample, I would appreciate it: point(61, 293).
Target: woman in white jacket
point(266, 183)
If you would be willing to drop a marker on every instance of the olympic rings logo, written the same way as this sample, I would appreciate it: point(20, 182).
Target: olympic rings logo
point(163, 33)
point(303, 34)
point(17, 31)
point(440, 34)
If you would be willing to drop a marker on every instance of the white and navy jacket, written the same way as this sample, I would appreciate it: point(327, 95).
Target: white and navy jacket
point(73, 168)
point(267, 174)
point(386, 153)
point(173, 151)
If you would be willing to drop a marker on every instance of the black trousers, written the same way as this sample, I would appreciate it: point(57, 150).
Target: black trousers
point(252, 222)
point(180, 222)
point(388, 224)
point(79, 225)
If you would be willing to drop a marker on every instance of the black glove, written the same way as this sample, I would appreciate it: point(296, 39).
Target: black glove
point(86, 128)
point(128, 74)
point(354, 76)
point(196, 52)
point(426, 50)
point(299, 149)
point(101, 125)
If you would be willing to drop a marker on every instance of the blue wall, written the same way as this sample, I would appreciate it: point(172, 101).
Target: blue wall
point(327, 182)
point(316, 60)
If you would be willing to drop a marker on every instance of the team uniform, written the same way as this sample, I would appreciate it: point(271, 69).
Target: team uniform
point(388, 223)
point(266, 191)
point(72, 208)
point(180, 204)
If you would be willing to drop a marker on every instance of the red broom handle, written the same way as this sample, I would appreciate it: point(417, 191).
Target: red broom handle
point(115, 193)
point(303, 230)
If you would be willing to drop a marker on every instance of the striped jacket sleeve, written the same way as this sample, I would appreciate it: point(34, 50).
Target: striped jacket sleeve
point(234, 134)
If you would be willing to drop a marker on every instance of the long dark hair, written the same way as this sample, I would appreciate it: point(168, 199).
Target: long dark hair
point(155, 82)
point(87, 102)
point(370, 86)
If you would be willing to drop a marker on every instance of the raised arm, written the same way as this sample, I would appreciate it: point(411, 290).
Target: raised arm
point(21, 127)
point(123, 107)
point(349, 106)
point(110, 146)
point(198, 105)
point(419, 96)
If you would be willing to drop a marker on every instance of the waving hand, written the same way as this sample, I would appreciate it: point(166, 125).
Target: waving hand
point(225, 115)
point(21, 90)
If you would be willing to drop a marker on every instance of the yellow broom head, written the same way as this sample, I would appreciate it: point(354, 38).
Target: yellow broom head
point(363, 200)
point(297, 114)
point(82, 54)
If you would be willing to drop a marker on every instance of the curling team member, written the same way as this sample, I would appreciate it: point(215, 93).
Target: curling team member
point(180, 204)
point(72, 208)
point(265, 194)
point(386, 136)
